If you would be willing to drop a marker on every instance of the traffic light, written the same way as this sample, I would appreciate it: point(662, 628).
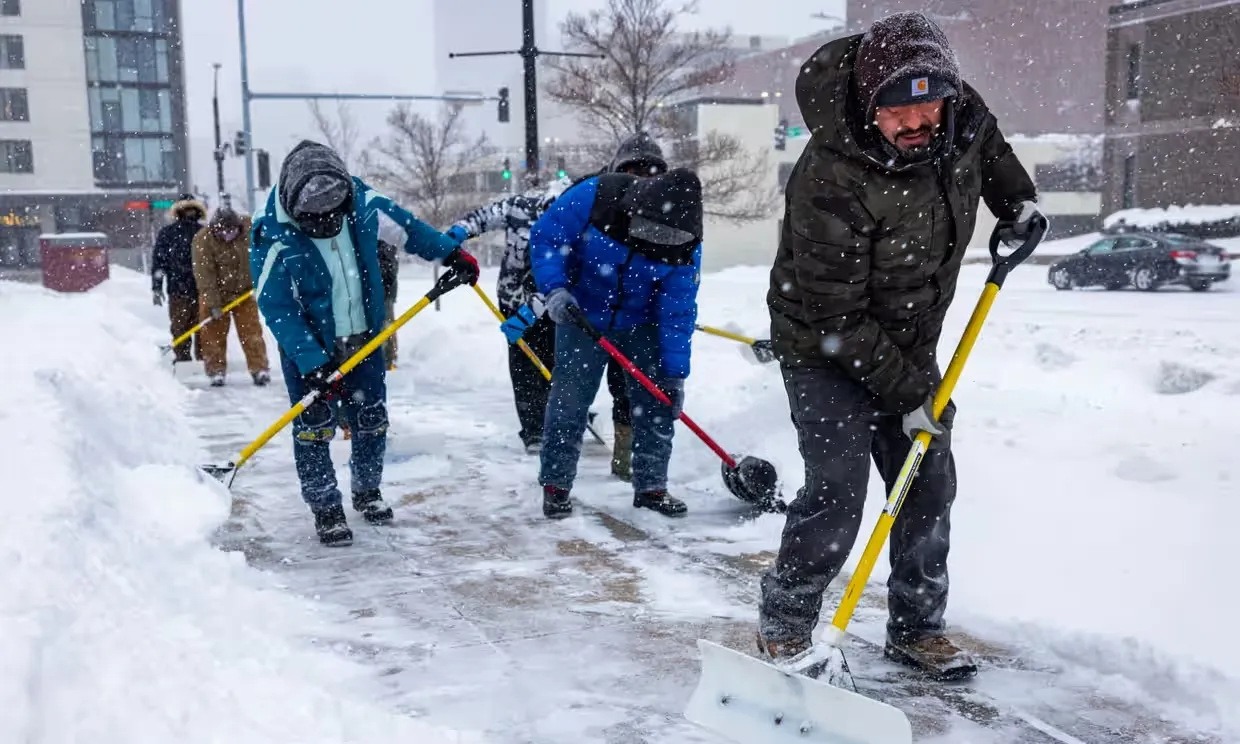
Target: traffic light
point(560, 170)
point(240, 146)
point(264, 169)
point(781, 135)
point(507, 167)
point(503, 105)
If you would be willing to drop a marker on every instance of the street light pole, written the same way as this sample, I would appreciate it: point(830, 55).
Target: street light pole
point(529, 54)
point(246, 126)
point(219, 144)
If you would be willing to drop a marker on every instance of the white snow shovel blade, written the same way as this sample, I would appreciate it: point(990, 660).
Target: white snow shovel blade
point(752, 702)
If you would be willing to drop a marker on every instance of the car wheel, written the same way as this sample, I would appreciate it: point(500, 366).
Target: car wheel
point(1061, 279)
point(1144, 279)
point(1199, 286)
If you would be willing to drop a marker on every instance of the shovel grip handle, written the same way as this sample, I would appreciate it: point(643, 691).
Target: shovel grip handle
point(1004, 264)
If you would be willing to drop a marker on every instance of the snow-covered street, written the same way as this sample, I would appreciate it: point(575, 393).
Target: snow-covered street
point(1090, 554)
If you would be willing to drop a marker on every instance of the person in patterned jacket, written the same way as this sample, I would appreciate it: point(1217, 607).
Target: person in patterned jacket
point(515, 214)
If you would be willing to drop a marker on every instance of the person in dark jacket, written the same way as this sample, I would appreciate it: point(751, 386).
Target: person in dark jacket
point(879, 210)
point(172, 265)
point(515, 214)
point(314, 259)
point(626, 253)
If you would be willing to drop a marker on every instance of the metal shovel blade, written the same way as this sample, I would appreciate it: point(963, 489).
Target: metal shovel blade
point(754, 481)
point(763, 351)
point(752, 702)
point(222, 473)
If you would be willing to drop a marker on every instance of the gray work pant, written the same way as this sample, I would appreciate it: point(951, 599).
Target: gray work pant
point(839, 431)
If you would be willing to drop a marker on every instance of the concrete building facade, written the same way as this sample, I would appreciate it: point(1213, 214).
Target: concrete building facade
point(92, 120)
point(1173, 104)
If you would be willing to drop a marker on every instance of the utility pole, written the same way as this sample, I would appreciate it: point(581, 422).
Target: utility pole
point(219, 144)
point(529, 53)
point(246, 124)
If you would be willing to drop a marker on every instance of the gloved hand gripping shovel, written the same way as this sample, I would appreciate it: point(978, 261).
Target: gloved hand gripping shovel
point(751, 479)
point(753, 702)
point(546, 373)
point(445, 283)
point(190, 333)
point(762, 350)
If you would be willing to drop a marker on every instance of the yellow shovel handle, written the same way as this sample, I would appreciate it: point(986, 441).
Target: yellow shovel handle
point(900, 489)
point(190, 333)
point(726, 334)
point(344, 369)
point(546, 373)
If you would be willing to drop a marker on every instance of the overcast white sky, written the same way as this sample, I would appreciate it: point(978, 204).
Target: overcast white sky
point(383, 46)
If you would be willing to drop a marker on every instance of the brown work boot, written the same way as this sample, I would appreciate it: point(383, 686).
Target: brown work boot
point(935, 655)
point(781, 651)
point(622, 453)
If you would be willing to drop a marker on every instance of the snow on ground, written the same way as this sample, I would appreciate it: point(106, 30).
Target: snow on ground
point(1174, 215)
point(118, 621)
point(1090, 533)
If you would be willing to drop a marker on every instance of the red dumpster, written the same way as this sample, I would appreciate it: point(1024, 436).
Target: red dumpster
point(73, 262)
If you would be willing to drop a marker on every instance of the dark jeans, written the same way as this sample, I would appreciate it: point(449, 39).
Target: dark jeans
point(839, 432)
point(529, 388)
point(579, 364)
point(364, 409)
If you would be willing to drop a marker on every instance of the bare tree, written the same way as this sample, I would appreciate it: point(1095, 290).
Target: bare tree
point(429, 164)
point(644, 66)
point(340, 132)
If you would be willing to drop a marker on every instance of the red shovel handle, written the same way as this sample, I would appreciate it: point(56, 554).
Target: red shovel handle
point(647, 383)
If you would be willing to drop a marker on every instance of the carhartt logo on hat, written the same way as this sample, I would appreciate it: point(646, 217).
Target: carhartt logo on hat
point(921, 86)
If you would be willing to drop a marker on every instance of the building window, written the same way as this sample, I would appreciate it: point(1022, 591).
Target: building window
point(1134, 72)
point(134, 160)
point(10, 7)
point(126, 60)
point(12, 53)
point(13, 105)
point(1129, 195)
point(142, 16)
point(16, 156)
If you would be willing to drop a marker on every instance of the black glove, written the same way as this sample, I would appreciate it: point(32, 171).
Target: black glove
point(318, 381)
point(460, 261)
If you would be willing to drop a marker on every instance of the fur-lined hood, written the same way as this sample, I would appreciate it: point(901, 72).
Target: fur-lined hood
point(176, 211)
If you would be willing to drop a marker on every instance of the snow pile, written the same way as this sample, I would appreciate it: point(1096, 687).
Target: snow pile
point(1174, 215)
point(118, 621)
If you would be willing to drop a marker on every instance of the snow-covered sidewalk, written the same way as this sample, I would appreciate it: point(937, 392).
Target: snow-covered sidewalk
point(1088, 539)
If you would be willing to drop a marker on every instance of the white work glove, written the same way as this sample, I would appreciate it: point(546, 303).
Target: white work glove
point(922, 419)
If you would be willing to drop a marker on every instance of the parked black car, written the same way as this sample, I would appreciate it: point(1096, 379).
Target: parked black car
point(1143, 260)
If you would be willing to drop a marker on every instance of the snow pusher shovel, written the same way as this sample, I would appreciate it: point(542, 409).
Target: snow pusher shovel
point(446, 282)
point(546, 373)
point(763, 352)
point(190, 333)
point(750, 479)
point(753, 702)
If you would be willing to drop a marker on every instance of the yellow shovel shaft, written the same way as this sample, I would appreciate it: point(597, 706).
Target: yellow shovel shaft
point(344, 369)
point(904, 481)
point(546, 373)
point(726, 334)
point(190, 333)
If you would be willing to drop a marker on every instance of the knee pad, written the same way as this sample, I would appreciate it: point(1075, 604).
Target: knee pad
point(372, 419)
point(316, 424)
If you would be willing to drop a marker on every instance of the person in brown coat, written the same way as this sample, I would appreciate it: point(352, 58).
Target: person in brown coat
point(222, 271)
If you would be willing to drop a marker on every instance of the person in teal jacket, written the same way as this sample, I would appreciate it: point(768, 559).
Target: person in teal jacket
point(314, 258)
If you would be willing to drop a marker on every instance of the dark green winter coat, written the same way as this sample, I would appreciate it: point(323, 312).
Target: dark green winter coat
point(870, 249)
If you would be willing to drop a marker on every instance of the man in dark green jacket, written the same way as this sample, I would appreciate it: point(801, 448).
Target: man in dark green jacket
point(880, 208)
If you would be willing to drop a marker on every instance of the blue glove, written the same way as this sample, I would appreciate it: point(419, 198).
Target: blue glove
point(516, 326)
point(674, 388)
point(457, 234)
point(558, 303)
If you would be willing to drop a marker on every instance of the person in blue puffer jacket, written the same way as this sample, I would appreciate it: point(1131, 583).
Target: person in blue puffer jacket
point(626, 252)
point(314, 259)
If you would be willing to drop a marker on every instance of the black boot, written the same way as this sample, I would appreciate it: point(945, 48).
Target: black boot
point(372, 506)
point(556, 503)
point(662, 502)
point(332, 528)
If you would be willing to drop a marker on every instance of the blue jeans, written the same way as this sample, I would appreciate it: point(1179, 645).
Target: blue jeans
point(579, 366)
point(364, 409)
